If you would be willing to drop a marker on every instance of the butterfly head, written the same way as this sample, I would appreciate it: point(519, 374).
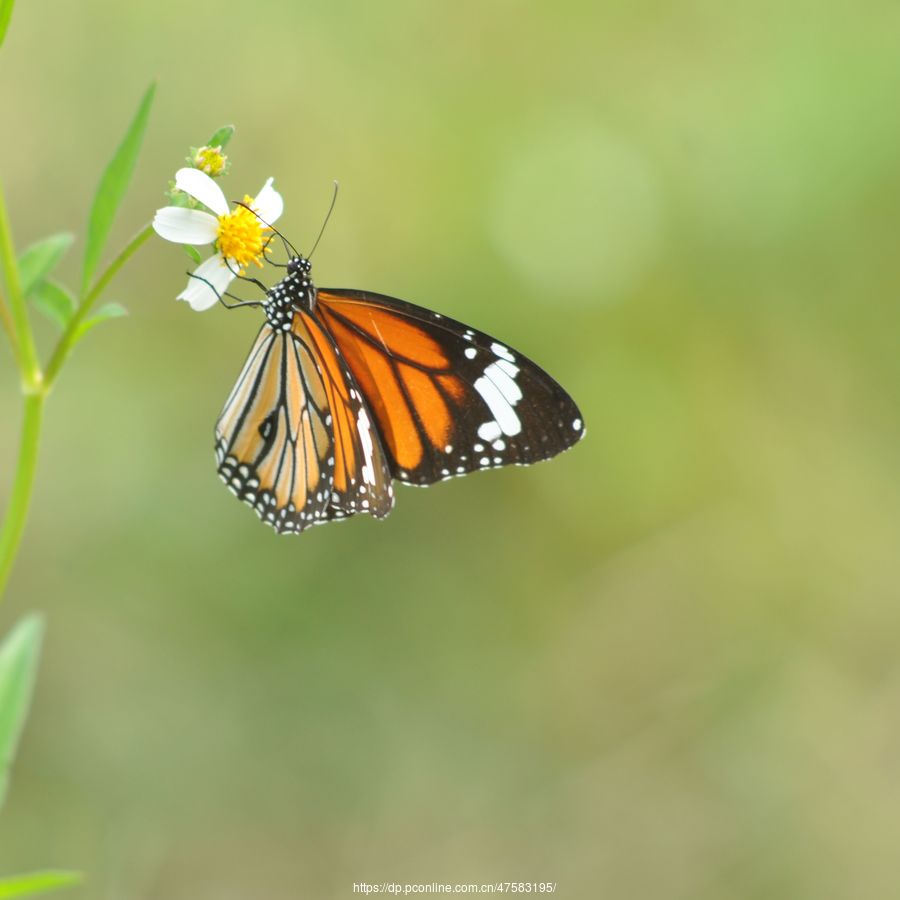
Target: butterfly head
point(294, 292)
point(299, 265)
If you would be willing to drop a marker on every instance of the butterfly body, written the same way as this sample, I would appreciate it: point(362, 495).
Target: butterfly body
point(293, 293)
point(346, 390)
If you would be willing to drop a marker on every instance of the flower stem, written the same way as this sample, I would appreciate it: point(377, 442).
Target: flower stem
point(26, 351)
point(70, 336)
point(17, 510)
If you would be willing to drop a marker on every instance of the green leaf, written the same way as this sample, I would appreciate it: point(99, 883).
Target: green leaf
point(41, 258)
point(193, 253)
point(112, 188)
point(36, 883)
point(5, 15)
point(18, 664)
point(54, 301)
point(109, 311)
point(221, 137)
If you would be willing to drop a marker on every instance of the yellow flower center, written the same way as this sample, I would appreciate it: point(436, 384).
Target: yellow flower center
point(242, 237)
point(210, 160)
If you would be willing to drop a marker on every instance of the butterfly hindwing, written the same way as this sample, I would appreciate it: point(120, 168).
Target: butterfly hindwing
point(361, 477)
point(447, 399)
point(272, 444)
point(295, 440)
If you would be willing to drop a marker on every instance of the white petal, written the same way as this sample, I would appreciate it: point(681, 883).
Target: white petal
point(201, 187)
point(198, 293)
point(268, 203)
point(185, 226)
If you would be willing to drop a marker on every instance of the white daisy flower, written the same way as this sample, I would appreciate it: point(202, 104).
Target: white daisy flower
point(240, 237)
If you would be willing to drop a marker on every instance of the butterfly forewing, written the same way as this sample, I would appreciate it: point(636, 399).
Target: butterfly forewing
point(447, 399)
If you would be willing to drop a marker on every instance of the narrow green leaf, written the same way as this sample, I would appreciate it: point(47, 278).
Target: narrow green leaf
point(193, 253)
point(54, 301)
point(221, 137)
point(41, 258)
point(6, 7)
point(109, 311)
point(18, 664)
point(36, 883)
point(112, 188)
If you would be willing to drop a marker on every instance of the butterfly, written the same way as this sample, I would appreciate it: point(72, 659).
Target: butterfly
point(345, 391)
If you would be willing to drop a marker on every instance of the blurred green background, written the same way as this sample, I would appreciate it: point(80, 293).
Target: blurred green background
point(663, 666)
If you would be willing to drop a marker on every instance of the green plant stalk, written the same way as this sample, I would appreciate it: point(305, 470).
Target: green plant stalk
point(36, 388)
point(10, 328)
point(17, 510)
point(27, 353)
point(33, 409)
point(70, 336)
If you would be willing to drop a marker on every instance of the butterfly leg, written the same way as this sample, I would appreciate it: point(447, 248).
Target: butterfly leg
point(222, 297)
point(272, 262)
point(252, 280)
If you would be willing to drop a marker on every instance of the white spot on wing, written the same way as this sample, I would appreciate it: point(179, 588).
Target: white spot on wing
point(508, 367)
point(512, 393)
point(365, 435)
point(500, 407)
point(489, 431)
point(502, 352)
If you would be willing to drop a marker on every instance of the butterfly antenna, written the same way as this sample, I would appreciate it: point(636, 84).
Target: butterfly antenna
point(287, 244)
point(327, 217)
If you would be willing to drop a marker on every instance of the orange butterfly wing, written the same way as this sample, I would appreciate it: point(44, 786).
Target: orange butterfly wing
point(447, 399)
point(361, 477)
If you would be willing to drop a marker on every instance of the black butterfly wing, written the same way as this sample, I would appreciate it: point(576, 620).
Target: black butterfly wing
point(447, 399)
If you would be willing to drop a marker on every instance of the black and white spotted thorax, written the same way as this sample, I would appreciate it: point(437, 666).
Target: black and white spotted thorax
point(294, 292)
